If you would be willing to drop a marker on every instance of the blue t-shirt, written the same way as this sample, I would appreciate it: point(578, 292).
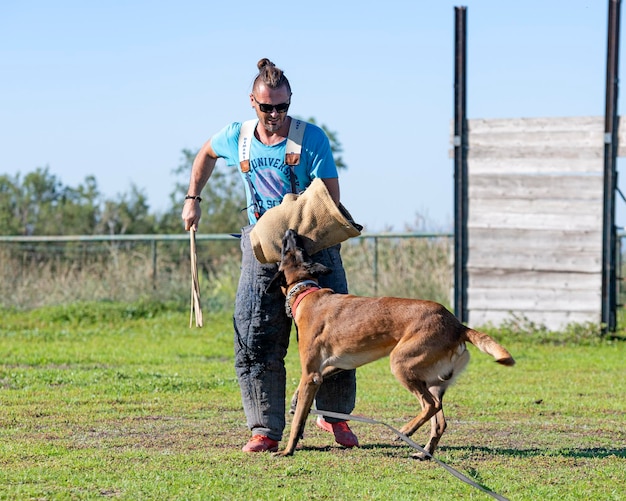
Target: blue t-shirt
point(268, 172)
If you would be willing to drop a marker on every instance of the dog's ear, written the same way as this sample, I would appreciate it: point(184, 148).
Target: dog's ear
point(277, 281)
point(292, 243)
point(317, 269)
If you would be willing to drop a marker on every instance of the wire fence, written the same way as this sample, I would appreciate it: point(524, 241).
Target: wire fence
point(40, 270)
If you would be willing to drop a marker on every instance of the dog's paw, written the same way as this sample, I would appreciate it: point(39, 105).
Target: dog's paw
point(282, 454)
point(420, 456)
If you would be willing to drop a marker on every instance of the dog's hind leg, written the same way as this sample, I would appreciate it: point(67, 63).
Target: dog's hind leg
point(444, 375)
point(405, 366)
point(438, 423)
point(430, 407)
point(437, 426)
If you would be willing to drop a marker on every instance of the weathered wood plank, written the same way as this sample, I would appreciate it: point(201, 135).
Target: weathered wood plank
point(553, 320)
point(535, 124)
point(533, 300)
point(556, 139)
point(481, 218)
point(566, 208)
point(548, 241)
point(528, 279)
point(511, 132)
point(589, 263)
point(534, 165)
point(528, 187)
point(531, 151)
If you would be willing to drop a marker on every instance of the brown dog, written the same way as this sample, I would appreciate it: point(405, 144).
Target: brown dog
point(425, 342)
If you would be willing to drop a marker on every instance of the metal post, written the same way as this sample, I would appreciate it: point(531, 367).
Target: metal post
point(375, 266)
point(609, 233)
point(460, 167)
point(154, 264)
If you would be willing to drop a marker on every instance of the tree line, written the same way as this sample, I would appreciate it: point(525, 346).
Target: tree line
point(38, 203)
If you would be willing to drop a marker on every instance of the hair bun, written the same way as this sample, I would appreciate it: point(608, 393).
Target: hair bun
point(263, 63)
point(270, 75)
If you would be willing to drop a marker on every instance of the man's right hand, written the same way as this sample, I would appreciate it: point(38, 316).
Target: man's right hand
point(191, 214)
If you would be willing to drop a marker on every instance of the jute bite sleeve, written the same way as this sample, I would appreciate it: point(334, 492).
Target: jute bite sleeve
point(315, 217)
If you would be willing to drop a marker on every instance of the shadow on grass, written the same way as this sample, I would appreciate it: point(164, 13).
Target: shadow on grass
point(596, 452)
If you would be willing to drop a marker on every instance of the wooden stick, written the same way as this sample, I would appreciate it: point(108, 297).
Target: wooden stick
point(195, 285)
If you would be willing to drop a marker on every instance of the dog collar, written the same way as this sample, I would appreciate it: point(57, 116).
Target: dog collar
point(298, 293)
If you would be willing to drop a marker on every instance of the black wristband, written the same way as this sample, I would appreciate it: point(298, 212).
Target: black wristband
point(191, 197)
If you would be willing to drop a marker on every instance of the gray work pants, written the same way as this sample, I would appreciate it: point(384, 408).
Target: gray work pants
point(262, 330)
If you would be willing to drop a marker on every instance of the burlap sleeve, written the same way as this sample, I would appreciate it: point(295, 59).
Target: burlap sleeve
point(315, 217)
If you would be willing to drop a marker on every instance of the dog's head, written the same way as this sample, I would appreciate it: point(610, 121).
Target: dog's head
point(295, 264)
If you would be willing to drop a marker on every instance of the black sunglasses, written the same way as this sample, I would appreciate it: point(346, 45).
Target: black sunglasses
point(268, 108)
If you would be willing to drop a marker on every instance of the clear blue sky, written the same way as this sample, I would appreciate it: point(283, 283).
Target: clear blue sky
point(117, 89)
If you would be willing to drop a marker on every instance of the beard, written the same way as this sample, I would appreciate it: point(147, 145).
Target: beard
point(273, 125)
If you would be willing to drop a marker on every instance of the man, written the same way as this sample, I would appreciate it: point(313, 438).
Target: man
point(261, 325)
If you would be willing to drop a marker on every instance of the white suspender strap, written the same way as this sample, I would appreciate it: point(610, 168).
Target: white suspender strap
point(245, 140)
point(294, 142)
point(292, 150)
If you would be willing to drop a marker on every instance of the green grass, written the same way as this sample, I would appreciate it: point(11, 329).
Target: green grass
point(109, 401)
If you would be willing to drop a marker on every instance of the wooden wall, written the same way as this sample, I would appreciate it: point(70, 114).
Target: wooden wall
point(535, 220)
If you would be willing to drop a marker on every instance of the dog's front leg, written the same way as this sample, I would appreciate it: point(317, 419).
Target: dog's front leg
point(294, 402)
point(307, 389)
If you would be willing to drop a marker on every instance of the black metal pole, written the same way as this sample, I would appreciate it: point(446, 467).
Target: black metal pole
point(460, 166)
point(609, 233)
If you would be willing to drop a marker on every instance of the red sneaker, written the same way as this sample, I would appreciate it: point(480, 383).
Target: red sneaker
point(341, 430)
point(260, 443)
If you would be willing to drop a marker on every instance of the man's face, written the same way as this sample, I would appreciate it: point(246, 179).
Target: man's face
point(271, 106)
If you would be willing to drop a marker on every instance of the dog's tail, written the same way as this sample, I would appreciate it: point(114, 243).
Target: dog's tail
point(488, 345)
